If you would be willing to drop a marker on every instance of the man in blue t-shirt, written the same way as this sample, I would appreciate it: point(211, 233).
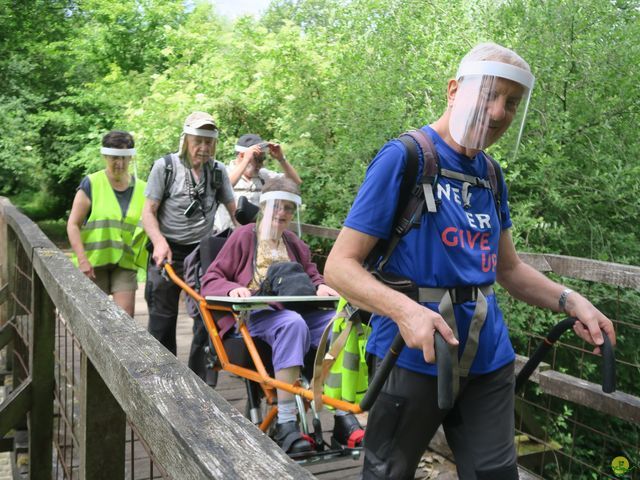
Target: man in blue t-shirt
point(455, 254)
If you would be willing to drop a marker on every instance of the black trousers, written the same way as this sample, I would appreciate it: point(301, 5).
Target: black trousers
point(163, 296)
point(199, 359)
point(479, 429)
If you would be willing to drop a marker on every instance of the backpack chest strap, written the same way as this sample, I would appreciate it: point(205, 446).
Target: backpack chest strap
point(468, 181)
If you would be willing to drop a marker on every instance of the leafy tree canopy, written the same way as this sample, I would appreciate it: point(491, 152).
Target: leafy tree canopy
point(332, 81)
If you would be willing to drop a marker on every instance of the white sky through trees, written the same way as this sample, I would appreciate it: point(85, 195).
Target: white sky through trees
point(235, 8)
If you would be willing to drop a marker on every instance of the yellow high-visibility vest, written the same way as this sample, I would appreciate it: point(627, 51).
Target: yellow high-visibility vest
point(348, 377)
point(107, 236)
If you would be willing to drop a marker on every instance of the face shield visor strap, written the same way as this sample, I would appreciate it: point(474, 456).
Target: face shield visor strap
point(490, 97)
point(278, 212)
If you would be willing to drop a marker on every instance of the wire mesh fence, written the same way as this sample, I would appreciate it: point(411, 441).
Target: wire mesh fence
point(140, 464)
point(562, 439)
point(139, 460)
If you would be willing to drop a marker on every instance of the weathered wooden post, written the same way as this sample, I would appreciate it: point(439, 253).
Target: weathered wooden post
point(102, 428)
point(42, 333)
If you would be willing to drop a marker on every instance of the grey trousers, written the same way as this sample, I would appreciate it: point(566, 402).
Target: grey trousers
point(479, 428)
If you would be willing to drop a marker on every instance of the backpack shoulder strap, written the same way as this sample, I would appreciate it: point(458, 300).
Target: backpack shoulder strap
point(408, 177)
point(408, 203)
point(169, 175)
point(431, 167)
point(494, 172)
point(214, 176)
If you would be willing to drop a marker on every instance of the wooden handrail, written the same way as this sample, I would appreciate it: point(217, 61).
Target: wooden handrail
point(616, 274)
point(191, 430)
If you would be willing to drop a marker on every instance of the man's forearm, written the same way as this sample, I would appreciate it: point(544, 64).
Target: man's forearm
point(231, 208)
point(290, 172)
point(151, 226)
point(529, 285)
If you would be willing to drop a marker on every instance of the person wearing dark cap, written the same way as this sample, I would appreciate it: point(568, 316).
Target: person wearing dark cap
point(248, 174)
point(183, 192)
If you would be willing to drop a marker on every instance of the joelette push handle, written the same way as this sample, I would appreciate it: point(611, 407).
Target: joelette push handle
point(608, 357)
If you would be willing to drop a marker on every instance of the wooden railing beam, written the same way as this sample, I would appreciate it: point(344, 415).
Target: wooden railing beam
point(7, 333)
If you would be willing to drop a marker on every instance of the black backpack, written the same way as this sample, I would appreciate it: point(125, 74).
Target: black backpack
point(286, 279)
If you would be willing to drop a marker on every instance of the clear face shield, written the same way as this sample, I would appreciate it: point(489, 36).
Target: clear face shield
point(491, 97)
point(279, 211)
point(120, 159)
point(198, 143)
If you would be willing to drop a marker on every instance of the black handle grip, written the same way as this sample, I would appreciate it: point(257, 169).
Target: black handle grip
point(445, 373)
point(608, 365)
point(382, 372)
point(445, 368)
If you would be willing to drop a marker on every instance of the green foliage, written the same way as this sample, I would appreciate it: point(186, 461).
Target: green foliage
point(332, 81)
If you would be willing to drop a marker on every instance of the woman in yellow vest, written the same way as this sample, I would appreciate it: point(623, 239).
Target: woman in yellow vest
point(104, 227)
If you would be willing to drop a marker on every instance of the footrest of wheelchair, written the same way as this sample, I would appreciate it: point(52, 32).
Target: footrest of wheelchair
point(336, 445)
point(328, 455)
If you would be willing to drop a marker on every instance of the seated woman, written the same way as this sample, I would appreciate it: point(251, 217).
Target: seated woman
point(238, 271)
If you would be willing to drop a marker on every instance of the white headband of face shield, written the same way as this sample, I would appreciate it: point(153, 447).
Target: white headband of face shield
point(497, 69)
point(118, 152)
point(200, 132)
point(279, 195)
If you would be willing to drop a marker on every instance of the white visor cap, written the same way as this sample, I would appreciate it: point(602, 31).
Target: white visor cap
point(118, 152)
point(497, 69)
point(280, 195)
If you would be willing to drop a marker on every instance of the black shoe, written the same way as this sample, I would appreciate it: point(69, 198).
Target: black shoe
point(347, 431)
point(289, 439)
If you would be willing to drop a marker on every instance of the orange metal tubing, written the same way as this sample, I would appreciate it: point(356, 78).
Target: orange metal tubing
point(181, 283)
point(271, 414)
point(253, 351)
point(260, 376)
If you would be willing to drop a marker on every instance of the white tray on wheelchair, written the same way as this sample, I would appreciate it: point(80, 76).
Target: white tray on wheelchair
point(256, 303)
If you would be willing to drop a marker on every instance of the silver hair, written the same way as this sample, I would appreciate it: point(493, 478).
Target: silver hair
point(492, 51)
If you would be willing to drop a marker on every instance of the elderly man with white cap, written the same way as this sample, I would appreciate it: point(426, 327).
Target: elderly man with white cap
point(248, 174)
point(183, 192)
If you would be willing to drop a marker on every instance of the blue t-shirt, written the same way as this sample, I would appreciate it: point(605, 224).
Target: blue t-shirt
point(453, 247)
